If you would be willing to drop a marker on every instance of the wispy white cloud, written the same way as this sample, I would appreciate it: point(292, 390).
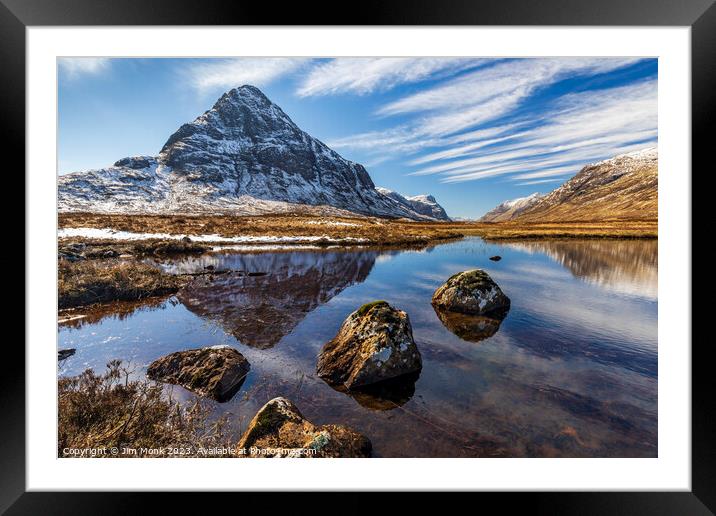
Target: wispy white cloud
point(540, 181)
point(362, 75)
point(225, 74)
point(581, 127)
point(443, 113)
point(74, 67)
point(502, 84)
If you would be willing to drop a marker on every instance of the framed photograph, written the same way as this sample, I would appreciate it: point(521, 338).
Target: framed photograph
point(442, 248)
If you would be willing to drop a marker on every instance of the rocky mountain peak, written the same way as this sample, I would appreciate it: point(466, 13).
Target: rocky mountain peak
point(244, 155)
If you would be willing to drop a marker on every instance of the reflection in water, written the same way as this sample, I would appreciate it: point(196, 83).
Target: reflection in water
point(572, 371)
point(119, 310)
point(267, 295)
point(623, 266)
point(385, 395)
point(472, 328)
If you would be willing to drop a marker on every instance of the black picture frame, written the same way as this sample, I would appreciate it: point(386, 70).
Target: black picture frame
point(700, 15)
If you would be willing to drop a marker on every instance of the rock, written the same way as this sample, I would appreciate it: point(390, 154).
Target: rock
point(186, 240)
point(279, 430)
point(375, 343)
point(496, 258)
point(69, 256)
point(72, 252)
point(472, 328)
point(65, 353)
point(470, 292)
point(215, 372)
point(209, 267)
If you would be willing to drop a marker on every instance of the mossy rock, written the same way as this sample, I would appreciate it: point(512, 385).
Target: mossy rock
point(471, 292)
point(280, 430)
point(375, 343)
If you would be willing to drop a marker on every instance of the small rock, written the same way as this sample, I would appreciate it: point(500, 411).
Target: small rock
point(186, 240)
point(70, 256)
point(65, 353)
point(279, 430)
point(215, 372)
point(375, 343)
point(470, 292)
point(496, 258)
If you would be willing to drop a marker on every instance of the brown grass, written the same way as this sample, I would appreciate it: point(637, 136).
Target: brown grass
point(97, 281)
point(376, 231)
point(108, 411)
point(559, 230)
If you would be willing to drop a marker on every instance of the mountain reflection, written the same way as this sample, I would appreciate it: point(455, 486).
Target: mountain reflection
point(265, 296)
point(622, 266)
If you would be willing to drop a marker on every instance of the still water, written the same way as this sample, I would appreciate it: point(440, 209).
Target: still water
point(570, 372)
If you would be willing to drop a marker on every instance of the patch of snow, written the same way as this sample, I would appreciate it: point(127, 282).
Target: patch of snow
point(111, 234)
point(332, 223)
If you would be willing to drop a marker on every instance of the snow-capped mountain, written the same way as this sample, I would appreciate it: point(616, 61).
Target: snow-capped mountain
point(423, 204)
point(510, 209)
point(624, 187)
point(243, 156)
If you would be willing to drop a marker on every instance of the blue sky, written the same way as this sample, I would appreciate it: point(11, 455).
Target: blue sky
point(472, 132)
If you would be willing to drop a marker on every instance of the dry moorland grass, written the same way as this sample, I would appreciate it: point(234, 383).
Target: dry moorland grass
point(373, 230)
point(559, 230)
point(108, 411)
point(96, 281)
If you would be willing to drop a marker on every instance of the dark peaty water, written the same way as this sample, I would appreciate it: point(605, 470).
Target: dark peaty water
point(570, 372)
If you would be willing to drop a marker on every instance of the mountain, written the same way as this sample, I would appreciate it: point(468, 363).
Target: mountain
point(624, 187)
point(510, 209)
point(243, 156)
point(423, 204)
point(293, 286)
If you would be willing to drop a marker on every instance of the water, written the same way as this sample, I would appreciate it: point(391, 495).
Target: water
point(570, 372)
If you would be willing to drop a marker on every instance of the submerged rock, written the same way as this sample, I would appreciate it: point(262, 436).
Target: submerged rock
point(65, 353)
point(375, 343)
point(385, 395)
point(472, 328)
point(215, 372)
point(496, 258)
point(470, 292)
point(279, 430)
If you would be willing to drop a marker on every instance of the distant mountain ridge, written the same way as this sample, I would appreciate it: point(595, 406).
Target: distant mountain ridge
point(243, 156)
point(509, 210)
point(422, 204)
point(624, 187)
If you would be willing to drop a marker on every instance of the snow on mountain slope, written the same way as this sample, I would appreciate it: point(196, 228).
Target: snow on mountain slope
point(624, 187)
point(427, 205)
point(423, 204)
point(510, 209)
point(243, 156)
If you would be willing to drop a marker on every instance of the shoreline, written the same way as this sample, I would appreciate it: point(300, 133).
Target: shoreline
point(319, 231)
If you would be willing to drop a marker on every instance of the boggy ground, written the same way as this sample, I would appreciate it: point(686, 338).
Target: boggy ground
point(370, 230)
point(89, 282)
